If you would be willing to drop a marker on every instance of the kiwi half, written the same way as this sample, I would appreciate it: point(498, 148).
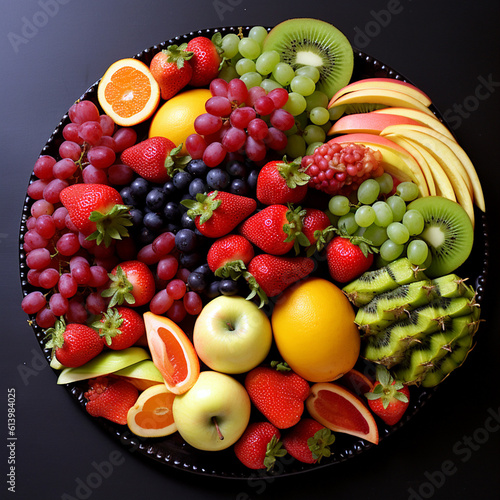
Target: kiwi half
point(448, 232)
point(311, 42)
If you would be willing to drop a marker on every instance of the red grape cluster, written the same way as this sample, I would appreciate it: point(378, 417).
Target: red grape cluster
point(240, 120)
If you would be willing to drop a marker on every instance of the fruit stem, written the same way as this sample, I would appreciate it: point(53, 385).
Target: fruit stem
point(219, 433)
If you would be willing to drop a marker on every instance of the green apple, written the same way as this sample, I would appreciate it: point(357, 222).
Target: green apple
point(232, 335)
point(214, 413)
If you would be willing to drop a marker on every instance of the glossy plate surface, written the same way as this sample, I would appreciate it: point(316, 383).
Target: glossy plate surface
point(172, 451)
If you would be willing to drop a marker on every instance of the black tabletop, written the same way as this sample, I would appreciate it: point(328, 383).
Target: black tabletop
point(51, 52)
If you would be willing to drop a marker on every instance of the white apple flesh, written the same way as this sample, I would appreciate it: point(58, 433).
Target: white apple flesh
point(232, 335)
point(214, 413)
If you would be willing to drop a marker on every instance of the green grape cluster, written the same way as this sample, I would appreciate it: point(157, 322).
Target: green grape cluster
point(246, 59)
point(384, 220)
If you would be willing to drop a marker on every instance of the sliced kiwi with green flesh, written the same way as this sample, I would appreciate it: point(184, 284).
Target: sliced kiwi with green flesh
point(311, 42)
point(362, 107)
point(448, 232)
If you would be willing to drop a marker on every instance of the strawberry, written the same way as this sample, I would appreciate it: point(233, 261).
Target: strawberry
point(97, 211)
point(110, 398)
point(171, 69)
point(74, 344)
point(131, 282)
point(388, 398)
point(317, 228)
point(268, 275)
point(217, 213)
point(121, 327)
point(348, 258)
point(278, 393)
point(309, 441)
point(259, 446)
point(155, 159)
point(229, 255)
point(274, 228)
point(281, 182)
point(206, 60)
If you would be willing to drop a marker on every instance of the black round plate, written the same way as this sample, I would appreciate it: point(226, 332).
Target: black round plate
point(172, 451)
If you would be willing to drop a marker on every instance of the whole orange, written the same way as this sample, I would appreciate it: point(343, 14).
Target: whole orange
point(314, 330)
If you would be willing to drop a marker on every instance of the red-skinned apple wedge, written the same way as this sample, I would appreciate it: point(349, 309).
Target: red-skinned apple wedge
point(369, 123)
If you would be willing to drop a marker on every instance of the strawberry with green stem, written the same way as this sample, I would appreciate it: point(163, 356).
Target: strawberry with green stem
point(206, 60)
point(228, 256)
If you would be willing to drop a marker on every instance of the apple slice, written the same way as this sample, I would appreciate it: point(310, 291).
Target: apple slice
point(143, 374)
point(380, 96)
point(423, 118)
point(385, 84)
point(369, 123)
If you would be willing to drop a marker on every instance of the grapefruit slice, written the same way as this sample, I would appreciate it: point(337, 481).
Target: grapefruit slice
point(341, 411)
point(151, 416)
point(356, 382)
point(172, 353)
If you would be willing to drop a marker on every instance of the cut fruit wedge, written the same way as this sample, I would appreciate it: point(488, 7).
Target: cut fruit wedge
point(356, 382)
point(151, 416)
point(128, 92)
point(142, 375)
point(368, 123)
point(104, 364)
point(173, 353)
point(341, 411)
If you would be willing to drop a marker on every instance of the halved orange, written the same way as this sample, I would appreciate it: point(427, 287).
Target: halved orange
point(151, 416)
point(128, 92)
point(341, 411)
point(172, 353)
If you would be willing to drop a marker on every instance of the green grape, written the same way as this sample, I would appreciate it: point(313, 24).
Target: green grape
point(283, 73)
point(390, 251)
point(228, 72)
point(347, 223)
point(249, 48)
point(339, 205)
point(267, 84)
point(309, 71)
point(312, 147)
point(229, 45)
point(336, 112)
point(296, 146)
point(365, 216)
point(319, 115)
point(317, 99)
point(258, 33)
point(302, 120)
point(327, 126)
point(267, 61)
point(407, 190)
point(313, 133)
point(414, 221)
point(245, 65)
point(383, 213)
point(386, 183)
point(251, 79)
point(296, 104)
point(417, 252)
point(398, 207)
point(376, 234)
point(398, 233)
point(303, 85)
point(294, 130)
point(360, 231)
point(368, 191)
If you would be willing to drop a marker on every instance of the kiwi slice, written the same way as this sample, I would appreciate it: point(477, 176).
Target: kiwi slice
point(362, 107)
point(448, 232)
point(310, 42)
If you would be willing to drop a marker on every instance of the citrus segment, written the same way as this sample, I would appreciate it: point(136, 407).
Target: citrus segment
point(314, 330)
point(172, 352)
point(128, 92)
point(341, 411)
point(175, 119)
point(151, 416)
point(356, 382)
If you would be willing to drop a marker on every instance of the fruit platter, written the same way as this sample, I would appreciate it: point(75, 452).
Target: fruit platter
point(253, 251)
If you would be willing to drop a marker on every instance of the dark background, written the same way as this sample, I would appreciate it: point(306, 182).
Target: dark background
point(450, 449)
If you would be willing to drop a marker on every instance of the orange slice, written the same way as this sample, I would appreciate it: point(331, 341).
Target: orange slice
point(356, 382)
point(172, 353)
point(128, 92)
point(341, 411)
point(151, 416)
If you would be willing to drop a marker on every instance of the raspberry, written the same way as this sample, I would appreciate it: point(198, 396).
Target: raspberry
point(341, 168)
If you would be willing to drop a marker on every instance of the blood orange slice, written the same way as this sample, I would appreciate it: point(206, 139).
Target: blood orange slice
point(172, 353)
point(356, 382)
point(151, 416)
point(341, 411)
